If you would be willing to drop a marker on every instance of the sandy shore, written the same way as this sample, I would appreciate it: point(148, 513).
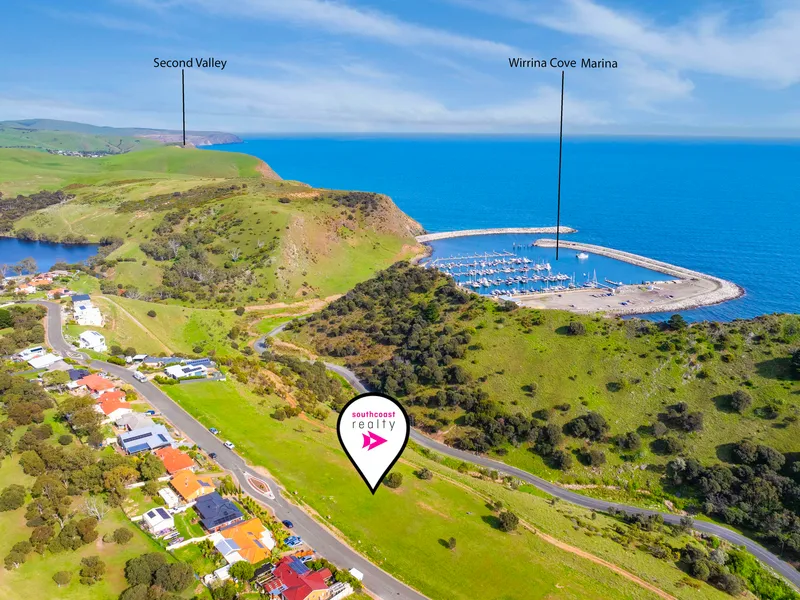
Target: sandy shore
point(685, 289)
point(430, 237)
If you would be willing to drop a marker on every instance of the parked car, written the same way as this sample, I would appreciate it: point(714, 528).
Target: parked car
point(149, 413)
point(139, 376)
point(212, 455)
point(229, 445)
point(288, 524)
point(214, 430)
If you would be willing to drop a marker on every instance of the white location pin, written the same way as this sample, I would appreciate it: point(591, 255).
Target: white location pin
point(373, 430)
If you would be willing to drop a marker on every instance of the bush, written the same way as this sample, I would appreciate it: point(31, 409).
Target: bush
point(92, 570)
point(741, 401)
point(151, 313)
point(594, 457)
point(451, 543)
point(394, 480)
point(12, 497)
point(576, 328)
point(62, 578)
point(65, 439)
point(425, 474)
point(508, 521)
point(116, 360)
point(242, 571)
point(795, 363)
point(240, 310)
point(122, 536)
point(562, 460)
point(175, 577)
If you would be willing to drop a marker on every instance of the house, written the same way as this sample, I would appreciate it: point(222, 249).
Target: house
point(170, 497)
point(41, 279)
point(158, 520)
point(92, 340)
point(203, 362)
point(113, 408)
point(25, 289)
point(141, 440)
point(75, 374)
point(183, 371)
point(94, 385)
point(217, 512)
point(85, 312)
point(43, 361)
point(190, 487)
point(174, 460)
point(61, 292)
point(295, 581)
point(30, 353)
point(133, 421)
point(248, 540)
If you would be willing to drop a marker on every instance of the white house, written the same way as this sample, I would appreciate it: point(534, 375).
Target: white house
point(170, 497)
point(85, 312)
point(30, 353)
point(183, 371)
point(92, 340)
point(44, 361)
point(158, 520)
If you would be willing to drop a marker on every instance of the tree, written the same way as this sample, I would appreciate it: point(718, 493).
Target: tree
point(227, 591)
point(87, 529)
point(451, 543)
point(394, 480)
point(122, 536)
point(795, 363)
point(151, 467)
point(12, 497)
point(95, 507)
point(677, 323)
point(425, 474)
point(62, 578)
point(65, 439)
point(562, 460)
point(741, 401)
point(594, 457)
point(240, 310)
point(29, 265)
point(176, 577)
point(508, 521)
point(592, 425)
point(92, 570)
point(151, 313)
point(31, 463)
point(242, 571)
point(140, 570)
point(630, 441)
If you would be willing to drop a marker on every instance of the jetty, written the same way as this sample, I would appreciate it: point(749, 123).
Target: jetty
point(688, 289)
point(431, 237)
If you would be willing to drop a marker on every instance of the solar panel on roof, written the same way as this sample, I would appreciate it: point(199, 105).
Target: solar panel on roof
point(133, 438)
point(163, 439)
point(297, 566)
point(259, 544)
point(163, 513)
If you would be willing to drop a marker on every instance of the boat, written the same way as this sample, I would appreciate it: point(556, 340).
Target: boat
point(583, 256)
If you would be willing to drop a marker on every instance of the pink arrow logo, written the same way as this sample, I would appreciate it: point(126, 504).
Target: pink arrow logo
point(373, 440)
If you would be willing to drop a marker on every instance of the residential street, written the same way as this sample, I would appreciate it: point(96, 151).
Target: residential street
point(318, 537)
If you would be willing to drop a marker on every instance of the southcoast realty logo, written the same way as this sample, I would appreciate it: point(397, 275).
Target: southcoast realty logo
point(373, 430)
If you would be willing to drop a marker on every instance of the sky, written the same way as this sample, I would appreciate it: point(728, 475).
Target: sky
point(685, 67)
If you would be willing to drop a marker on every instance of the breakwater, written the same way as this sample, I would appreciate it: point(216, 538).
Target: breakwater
point(430, 237)
point(719, 290)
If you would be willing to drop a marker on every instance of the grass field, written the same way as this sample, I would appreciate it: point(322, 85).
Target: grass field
point(395, 528)
point(18, 137)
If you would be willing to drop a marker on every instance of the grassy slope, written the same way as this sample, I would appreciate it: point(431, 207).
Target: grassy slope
point(20, 137)
point(397, 528)
point(315, 255)
point(582, 371)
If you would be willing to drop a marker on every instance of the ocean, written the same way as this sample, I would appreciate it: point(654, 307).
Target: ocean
point(727, 208)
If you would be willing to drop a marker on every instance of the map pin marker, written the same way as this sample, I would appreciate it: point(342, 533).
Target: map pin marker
point(373, 431)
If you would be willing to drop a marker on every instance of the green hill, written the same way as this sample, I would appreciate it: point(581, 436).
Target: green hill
point(202, 227)
point(57, 136)
point(620, 407)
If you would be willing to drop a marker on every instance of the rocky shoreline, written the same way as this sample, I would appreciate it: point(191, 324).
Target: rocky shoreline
point(723, 290)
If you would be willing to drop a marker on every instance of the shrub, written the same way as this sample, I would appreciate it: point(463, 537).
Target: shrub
point(594, 457)
point(451, 543)
point(562, 460)
point(240, 310)
point(151, 313)
point(116, 360)
point(65, 439)
point(122, 536)
point(741, 401)
point(92, 570)
point(508, 521)
point(12, 497)
point(425, 474)
point(576, 328)
point(62, 578)
point(242, 571)
point(394, 480)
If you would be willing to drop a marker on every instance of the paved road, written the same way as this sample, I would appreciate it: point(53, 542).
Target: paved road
point(323, 541)
point(767, 557)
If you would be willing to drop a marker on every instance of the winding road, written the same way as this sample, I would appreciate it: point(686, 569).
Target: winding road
point(323, 540)
point(377, 581)
point(764, 555)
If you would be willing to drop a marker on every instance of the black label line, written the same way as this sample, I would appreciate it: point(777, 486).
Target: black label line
point(183, 104)
point(560, 147)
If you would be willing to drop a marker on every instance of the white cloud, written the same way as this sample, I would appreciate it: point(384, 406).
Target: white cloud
point(320, 103)
point(764, 50)
point(341, 18)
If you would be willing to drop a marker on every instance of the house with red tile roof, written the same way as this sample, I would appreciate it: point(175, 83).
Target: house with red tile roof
point(295, 581)
point(248, 540)
point(174, 460)
point(113, 409)
point(94, 385)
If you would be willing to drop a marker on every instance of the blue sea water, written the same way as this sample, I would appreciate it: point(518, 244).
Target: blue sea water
point(44, 253)
point(728, 208)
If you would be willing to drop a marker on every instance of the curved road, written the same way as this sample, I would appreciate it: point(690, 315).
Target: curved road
point(318, 537)
point(767, 557)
